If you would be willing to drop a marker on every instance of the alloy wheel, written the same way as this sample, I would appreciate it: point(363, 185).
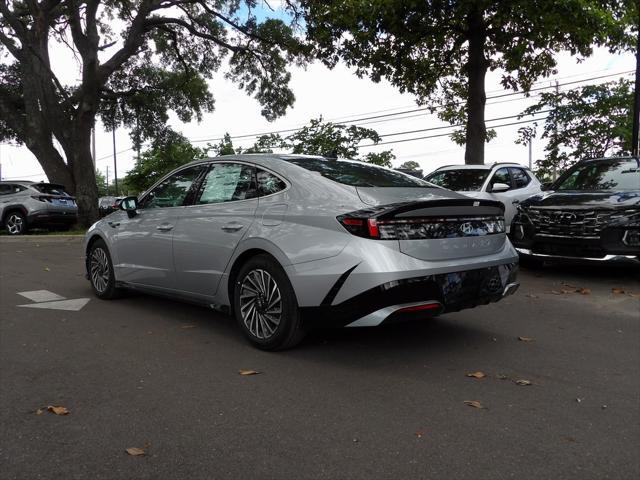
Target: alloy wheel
point(260, 304)
point(100, 271)
point(15, 224)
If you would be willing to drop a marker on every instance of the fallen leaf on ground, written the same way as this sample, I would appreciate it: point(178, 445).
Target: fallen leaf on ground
point(46, 269)
point(58, 410)
point(39, 411)
point(555, 292)
point(502, 377)
point(584, 291)
point(523, 382)
point(419, 434)
point(568, 290)
point(476, 375)
point(473, 403)
point(531, 295)
point(249, 372)
point(135, 451)
point(525, 339)
point(188, 326)
point(618, 291)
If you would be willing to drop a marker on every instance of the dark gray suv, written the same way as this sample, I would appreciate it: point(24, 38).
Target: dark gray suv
point(25, 204)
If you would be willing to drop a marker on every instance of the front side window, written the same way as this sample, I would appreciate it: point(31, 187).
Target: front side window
point(268, 183)
point(463, 180)
point(622, 174)
point(227, 182)
point(501, 176)
point(520, 177)
point(357, 174)
point(173, 191)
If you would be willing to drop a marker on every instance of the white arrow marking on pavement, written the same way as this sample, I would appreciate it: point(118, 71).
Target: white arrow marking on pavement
point(73, 305)
point(41, 296)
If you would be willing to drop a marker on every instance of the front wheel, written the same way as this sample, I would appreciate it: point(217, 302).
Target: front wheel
point(265, 305)
point(15, 223)
point(101, 274)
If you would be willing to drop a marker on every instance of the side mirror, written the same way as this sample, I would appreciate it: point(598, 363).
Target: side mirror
point(500, 187)
point(130, 205)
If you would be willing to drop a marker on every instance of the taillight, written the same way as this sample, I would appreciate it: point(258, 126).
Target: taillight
point(421, 228)
point(40, 198)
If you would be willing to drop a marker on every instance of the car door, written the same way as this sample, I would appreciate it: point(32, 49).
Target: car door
point(508, 198)
point(523, 184)
point(212, 227)
point(143, 243)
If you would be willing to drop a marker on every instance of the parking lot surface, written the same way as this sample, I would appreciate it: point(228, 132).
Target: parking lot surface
point(561, 401)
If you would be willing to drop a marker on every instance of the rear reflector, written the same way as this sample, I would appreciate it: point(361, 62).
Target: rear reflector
point(419, 308)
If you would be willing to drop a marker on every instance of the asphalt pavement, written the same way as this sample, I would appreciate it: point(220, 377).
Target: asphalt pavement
point(382, 403)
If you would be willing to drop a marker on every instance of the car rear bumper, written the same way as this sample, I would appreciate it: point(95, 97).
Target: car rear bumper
point(419, 297)
point(46, 218)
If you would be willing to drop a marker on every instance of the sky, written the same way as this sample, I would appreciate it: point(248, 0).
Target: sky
point(339, 95)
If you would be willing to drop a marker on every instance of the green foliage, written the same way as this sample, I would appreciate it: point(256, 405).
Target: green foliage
point(101, 182)
point(168, 151)
point(410, 165)
point(588, 122)
point(318, 138)
point(440, 50)
point(225, 147)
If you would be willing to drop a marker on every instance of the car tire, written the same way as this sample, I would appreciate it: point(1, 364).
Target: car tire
point(265, 305)
point(15, 223)
point(101, 273)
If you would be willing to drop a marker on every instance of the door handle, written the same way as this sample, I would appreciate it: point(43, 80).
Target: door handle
point(515, 202)
point(113, 224)
point(232, 227)
point(165, 227)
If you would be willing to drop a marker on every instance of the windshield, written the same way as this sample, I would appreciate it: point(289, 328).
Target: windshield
point(622, 174)
point(50, 189)
point(463, 180)
point(358, 174)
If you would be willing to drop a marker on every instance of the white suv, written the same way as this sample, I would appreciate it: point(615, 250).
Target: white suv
point(509, 183)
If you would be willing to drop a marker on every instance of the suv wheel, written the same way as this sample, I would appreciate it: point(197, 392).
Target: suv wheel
point(15, 223)
point(265, 305)
point(101, 275)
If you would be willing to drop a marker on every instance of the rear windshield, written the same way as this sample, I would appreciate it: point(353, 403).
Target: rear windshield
point(50, 189)
point(463, 180)
point(613, 175)
point(358, 174)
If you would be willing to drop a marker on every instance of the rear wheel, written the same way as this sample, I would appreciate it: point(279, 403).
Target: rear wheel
point(15, 223)
point(101, 274)
point(265, 305)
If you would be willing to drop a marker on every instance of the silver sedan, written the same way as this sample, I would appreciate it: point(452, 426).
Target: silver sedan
point(286, 242)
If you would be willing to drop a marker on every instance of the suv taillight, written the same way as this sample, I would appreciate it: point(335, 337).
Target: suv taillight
point(41, 198)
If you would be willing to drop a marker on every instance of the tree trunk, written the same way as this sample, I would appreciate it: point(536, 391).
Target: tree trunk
point(84, 175)
point(476, 131)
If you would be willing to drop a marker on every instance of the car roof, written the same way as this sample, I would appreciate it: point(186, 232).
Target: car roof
point(480, 167)
point(20, 182)
point(606, 159)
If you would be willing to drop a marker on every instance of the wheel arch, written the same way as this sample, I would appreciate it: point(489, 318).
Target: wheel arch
point(88, 244)
point(13, 208)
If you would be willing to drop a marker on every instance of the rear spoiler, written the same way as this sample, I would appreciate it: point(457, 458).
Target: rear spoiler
point(450, 207)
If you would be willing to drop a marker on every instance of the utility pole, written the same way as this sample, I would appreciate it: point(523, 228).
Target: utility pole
point(530, 155)
point(93, 146)
point(636, 104)
point(115, 161)
point(555, 167)
point(107, 180)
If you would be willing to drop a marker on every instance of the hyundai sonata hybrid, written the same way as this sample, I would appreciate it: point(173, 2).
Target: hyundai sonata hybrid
point(287, 242)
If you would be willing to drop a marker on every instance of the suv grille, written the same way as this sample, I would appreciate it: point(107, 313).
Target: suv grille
point(574, 223)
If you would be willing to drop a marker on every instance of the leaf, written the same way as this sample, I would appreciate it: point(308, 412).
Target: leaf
point(58, 410)
point(39, 411)
point(555, 292)
point(523, 382)
point(618, 291)
point(502, 377)
point(531, 295)
point(419, 434)
point(188, 326)
point(473, 403)
point(568, 290)
point(526, 339)
point(584, 291)
point(46, 269)
point(249, 372)
point(476, 375)
point(135, 452)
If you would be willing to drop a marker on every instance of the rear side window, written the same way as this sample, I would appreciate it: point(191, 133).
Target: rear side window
point(227, 182)
point(50, 189)
point(520, 177)
point(268, 183)
point(463, 180)
point(357, 174)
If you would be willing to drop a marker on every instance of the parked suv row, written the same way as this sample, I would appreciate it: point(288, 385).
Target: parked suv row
point(25, 204)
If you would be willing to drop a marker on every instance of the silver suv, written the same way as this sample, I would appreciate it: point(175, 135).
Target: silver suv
point(286, 241)
point(25, 204)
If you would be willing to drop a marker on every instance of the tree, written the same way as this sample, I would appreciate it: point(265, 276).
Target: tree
point(168, 151)
point(138, 60)
point(410, 165)
point(327, 139)
point(101, 183)
point(441, 51)
point(588, 122)
point(225, 147)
